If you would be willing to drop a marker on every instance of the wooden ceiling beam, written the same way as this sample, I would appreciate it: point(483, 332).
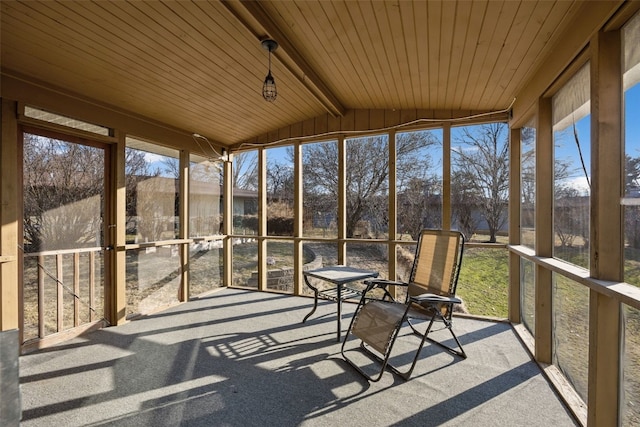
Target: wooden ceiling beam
point(297, 65)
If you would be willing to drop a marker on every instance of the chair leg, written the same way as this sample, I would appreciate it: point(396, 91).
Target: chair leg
point(383, 361)
point(448, 326)
point(460, 353)
point(407, 374)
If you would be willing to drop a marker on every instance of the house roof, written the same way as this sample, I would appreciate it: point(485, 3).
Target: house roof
point(199, 66)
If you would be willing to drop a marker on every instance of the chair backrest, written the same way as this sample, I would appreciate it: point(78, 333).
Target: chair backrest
point(437, 263)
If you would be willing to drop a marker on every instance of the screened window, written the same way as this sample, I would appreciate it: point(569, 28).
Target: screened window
point(631, 85)
point(205, 197)
point(418, 181)
point(528, 185)
point(152, 215)
point(63, 209)
point(205, 222)
point(367, 183)
point(245, 193)
point(480, 180)
point(152, 179)
point(280, 191)
point(572, 188)
point(320, 189)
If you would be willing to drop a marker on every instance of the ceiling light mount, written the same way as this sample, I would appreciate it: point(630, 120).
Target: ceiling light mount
point(269, 91)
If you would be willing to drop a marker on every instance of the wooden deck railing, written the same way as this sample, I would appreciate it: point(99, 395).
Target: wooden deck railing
point(83, 291)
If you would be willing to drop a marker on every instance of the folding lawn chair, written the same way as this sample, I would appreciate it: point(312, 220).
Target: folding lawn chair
point(430, 297)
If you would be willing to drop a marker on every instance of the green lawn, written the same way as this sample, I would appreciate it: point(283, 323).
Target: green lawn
point(484, 281)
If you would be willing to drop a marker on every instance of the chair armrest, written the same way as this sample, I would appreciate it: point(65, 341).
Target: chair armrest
point(382, 283)
point(435, 298)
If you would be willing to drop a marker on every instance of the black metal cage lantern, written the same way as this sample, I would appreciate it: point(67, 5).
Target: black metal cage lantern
point(269, 90)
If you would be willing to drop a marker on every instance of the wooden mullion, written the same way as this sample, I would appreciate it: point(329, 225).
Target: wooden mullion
point(183, 248)
point(515, 175)
point(392, 247)
point(76, 289)
point(342, 201)
point(92, 286)
point(41, 299)
point(60, 294)
point(446, 177)
point(298, 220)
point(544, 234)
point(607, 228)
point(262, 219)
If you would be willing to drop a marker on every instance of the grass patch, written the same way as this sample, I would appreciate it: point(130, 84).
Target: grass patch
point(483, 282)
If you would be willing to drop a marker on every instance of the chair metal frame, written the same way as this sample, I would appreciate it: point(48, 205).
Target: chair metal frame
point(383, 320)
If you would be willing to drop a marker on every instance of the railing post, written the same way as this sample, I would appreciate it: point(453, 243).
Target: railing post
point(41, 329)
point(60, 293)
point(76, 289)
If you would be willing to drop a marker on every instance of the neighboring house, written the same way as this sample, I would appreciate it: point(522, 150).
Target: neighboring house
point(156, 197)
point(245, 202)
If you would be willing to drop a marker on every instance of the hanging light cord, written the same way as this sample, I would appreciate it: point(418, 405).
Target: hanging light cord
point(197, 137)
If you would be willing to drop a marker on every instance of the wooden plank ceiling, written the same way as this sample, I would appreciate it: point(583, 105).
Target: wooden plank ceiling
point(199, 66)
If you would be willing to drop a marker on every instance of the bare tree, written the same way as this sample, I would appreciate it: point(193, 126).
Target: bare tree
point(170, 167)
point(419, 206)
point(632, 189)
point(366, 175)
point(280, 182)
point(528, 178)
point(484, 154)
point(465, 201)
point(568, 214)
point(63, 194)
point(140, 208)
point(245, 170)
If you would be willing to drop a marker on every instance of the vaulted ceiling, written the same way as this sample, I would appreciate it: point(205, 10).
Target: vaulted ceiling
point(199, 66)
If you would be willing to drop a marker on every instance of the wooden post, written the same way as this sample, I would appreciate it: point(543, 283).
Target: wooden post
point(76, 288)
point(544, 231)
point(183, 249)
point(446, 177)
point(298, 219)
point(262, 219)
point(607, 227)
point(342, 200)
point(116, 287)
point(393, 207)
point(515, 174)
point(227, 224)
point(10, 212)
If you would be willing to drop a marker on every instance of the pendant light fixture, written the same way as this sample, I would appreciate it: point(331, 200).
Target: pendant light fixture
point(269, 91)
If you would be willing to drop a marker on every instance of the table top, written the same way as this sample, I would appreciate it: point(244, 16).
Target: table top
point(340, 274)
